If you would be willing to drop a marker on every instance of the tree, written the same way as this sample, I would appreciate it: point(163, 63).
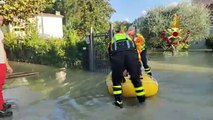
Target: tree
point(124, 24)
point(80, 15)
point(56, 5)
point(22, 9)
point(194, 18)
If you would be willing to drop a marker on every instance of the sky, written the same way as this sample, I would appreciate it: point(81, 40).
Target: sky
point(130, 10)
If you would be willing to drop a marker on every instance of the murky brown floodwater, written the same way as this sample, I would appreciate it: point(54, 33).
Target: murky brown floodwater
point(186, 92)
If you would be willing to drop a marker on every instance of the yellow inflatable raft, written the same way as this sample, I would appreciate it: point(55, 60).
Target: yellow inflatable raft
point(150, 85)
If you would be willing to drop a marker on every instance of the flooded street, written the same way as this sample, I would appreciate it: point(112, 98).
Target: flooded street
point(185, 92)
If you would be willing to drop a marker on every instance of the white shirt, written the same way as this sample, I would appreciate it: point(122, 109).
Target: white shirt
point(2, 54)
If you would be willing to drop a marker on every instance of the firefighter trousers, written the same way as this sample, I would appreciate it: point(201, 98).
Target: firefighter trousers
point(145, 62)
point(119, 62)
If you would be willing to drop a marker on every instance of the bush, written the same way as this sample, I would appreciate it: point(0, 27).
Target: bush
point(192, 17)
point(52, 51)
point(209, 42)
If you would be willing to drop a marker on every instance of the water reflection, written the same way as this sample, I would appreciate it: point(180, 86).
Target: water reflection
point(61, 75)
point(186, 92)
point(198, 59)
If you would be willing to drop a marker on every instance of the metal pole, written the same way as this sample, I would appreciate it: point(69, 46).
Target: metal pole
point(91, 52)
point(111, 32)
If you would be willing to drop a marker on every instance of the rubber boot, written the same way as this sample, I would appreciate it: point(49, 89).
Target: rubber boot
point(140, 93)
point(118, 104)
point(5, 113)
point(141, 99)
point(148, 71)
point(117, 91)
point(7, 106)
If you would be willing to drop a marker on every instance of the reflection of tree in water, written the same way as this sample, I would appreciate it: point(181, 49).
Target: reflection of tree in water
point(83, 86)
point(71, 83)
point(63, 84)
point(61, 76)
point(44, 83)
point(177, 54)
point(53, 84)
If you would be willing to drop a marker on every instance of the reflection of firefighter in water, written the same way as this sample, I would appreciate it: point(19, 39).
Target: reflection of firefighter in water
point(141, 48)
point(123, 56)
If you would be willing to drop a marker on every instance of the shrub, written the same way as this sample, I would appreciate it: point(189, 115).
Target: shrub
point(52, 51)
point(209, 42)
point(193, 17)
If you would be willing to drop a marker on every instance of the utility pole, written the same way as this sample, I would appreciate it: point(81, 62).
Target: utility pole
point(91, 52)
point(111, 31)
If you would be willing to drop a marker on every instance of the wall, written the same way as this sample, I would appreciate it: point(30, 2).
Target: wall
point(50, 25)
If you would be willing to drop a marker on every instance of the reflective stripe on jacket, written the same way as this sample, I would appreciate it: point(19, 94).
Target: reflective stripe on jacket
point(122, 42)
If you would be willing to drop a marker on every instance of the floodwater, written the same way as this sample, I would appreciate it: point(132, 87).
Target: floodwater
point(185, 92)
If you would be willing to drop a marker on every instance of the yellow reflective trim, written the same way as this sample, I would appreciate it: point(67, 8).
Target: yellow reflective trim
point(117, 92)
point(147, 68)
point(139, 88)
point(140, 94)
point(120, 36)
point(148, 71)
point(143, 47)
point(117, 86)
point(119, 102)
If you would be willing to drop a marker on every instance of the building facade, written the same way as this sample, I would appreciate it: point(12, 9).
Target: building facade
point(50, 25)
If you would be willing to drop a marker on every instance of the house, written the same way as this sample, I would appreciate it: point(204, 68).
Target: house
point(48, 26)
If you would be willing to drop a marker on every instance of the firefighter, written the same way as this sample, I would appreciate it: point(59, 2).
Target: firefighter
point(123, 55)
point(141, 47)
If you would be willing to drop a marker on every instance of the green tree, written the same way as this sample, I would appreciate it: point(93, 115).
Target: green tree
point(193, 17)
point(55, 5)
point(80, 15)
point(124, 24)
point(22, 9)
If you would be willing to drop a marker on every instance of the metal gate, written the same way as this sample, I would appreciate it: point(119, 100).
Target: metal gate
point(98, 51)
